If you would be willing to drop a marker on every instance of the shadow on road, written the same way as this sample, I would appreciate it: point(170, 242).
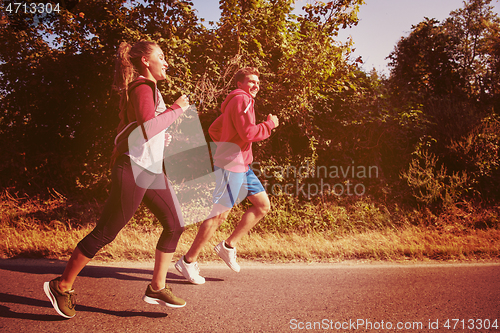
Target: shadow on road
point(6, 312)
point(56, 267)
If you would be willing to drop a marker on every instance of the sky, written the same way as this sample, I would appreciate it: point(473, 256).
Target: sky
point(382, 24)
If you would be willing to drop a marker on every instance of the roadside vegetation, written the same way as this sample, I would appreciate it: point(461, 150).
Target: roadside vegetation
point(312, 232)
point(364, 165)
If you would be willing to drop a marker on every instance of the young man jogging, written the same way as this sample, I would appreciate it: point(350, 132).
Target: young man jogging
point(233, 132)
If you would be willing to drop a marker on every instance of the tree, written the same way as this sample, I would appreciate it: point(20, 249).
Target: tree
point(446, 75)
point(445, 72)
point(58, 109)
point(473, 29)
point(422, 65)
point(452, 58)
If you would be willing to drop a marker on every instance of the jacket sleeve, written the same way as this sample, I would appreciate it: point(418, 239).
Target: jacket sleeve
point(144, 106)
point(215, 130)
point(244, 122)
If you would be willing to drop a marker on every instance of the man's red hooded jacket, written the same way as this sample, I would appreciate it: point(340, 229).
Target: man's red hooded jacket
point(235, 130)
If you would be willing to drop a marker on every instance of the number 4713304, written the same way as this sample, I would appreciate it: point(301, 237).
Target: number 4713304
point(471, 324)
point(32, 8)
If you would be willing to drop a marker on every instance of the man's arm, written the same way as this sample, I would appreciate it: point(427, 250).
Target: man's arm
point(244, 122)
point(215, 130)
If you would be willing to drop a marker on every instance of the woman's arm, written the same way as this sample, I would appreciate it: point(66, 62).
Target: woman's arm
point(144, 106)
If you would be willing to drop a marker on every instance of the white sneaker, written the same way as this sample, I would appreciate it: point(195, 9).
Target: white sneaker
point(190, 271)
point(228, 255)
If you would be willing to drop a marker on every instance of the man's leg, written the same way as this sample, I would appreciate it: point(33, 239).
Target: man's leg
point(226, 249)
point(187, 264)
point(260, 207)
point(206, 231)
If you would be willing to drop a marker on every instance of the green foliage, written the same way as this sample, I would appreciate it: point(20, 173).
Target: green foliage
point(468, 166)
point(474, 30)
point(432, 184)
point(422, 65)
point(444, 87)
point(58, 112)
point(327, 217)
point(430, 128)
point(456, 57)
point(478, 153)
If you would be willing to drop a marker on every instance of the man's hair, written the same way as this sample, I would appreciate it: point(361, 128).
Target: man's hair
point(243, 72)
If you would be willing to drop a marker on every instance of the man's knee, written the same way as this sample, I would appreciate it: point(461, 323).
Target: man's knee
point(219, 219)
point(215, 221)
point(263, 207)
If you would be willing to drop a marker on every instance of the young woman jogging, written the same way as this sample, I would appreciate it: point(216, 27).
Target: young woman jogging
point(135, 178)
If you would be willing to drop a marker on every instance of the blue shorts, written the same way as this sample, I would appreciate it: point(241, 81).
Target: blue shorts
point(233, 187)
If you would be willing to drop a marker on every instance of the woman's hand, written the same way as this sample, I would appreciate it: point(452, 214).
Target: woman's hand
point(168, 139)
point(183, 102)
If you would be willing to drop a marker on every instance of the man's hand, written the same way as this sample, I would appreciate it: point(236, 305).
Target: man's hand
point(274, 119)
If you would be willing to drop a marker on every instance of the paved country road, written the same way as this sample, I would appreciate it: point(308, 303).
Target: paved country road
point(344, 297)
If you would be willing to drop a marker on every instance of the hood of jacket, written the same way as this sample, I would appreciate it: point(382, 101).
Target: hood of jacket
point(233, 94)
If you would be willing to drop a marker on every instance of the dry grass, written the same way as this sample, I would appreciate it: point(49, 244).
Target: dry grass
point(136, 243)
point(51, 229)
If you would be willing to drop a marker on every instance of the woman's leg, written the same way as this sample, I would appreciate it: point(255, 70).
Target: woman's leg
point(165, 206)
point(124, 199)
point(162, 263)
point(74, 266)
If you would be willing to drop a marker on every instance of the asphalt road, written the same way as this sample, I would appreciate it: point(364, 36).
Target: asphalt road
point(345, 297)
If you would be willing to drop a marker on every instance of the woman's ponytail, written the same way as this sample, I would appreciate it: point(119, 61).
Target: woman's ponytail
point(128, 61)
point(124, 70)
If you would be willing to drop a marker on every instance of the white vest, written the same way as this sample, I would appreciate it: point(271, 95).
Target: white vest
point(148, 152)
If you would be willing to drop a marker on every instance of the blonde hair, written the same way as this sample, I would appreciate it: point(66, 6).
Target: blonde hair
point(127, 63)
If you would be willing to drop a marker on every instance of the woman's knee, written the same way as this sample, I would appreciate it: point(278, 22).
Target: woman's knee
point(169, 239)
point(92, 243)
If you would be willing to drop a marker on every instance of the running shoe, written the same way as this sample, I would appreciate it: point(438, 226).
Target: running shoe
point(63, 301)
point(163, 297)
point(190, 271)
point(228, 255)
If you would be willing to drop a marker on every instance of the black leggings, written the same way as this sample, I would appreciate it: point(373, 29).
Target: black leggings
point(125, 198)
